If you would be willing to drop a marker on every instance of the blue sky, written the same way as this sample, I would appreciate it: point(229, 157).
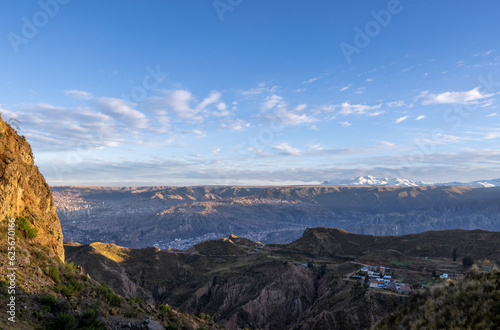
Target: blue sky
point(253, 92)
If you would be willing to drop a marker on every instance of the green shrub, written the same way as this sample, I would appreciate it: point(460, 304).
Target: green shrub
point(90, 320)
point(54, 274)
point(171, 327)
point(64, 321)
point(106, 293)
point(467, 261)
point(75, 284)
point(403, 264)
point(71, 288)
point(70, 266)
point(25, 226)
point(49, 300)
point(67, 291)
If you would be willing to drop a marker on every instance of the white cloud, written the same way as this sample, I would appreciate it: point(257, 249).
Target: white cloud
point(401, 119)
point(369, 79)
point(316, 146)
point(360, 90)
point(345, 123)
point(215, 151)
point(261, 88)
point(449, 138)
point(179, 102)
point(286, 117)
point(492, 135)
point(271, 102)
point(311, 80)
point(358, 109)
point(301, 107)
point(489, 52)
point(285, 148)
point(52, 129)
point(212, 98)
point(198, 132)
point(347, 108)
point(222, 106)
point(235, 124)
point(7, 114)
point(79, 95)
point(119, 109)
point(164, 121)
point(387, 144)
point(464, 97)
point(282, 115)
point(376, 113)
point(492, 115)
point(343, 89)
point(420, 117)
point(396, 104)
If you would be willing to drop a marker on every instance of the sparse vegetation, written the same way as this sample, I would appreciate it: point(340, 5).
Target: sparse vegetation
point(402, 264)
point(470, 303)
point(54, 274)
point(105, 293)
point(25, 226)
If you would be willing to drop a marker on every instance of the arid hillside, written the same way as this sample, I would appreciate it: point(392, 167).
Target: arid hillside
point(306, 284)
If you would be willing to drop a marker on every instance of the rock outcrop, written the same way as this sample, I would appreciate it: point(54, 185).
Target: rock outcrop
point(24, 191)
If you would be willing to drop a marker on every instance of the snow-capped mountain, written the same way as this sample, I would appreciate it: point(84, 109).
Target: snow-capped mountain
point(479, 183)
point(370, 180)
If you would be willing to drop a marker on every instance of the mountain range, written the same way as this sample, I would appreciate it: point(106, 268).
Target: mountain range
point(370, 180)
point(179, 217)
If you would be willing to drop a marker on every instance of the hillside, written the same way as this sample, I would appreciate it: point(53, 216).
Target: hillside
point(301, 285)
point(470, 303)
point(179, 217)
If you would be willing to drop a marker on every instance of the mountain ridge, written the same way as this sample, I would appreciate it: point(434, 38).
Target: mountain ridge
point(370, 180)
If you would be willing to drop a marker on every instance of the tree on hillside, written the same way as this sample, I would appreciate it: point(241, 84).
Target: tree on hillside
point(454, 254)
point(467, 261)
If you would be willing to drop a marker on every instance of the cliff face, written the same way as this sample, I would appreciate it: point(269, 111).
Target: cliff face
point(24, 192)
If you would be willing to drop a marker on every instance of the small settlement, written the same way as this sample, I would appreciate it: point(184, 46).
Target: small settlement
point(380, 278)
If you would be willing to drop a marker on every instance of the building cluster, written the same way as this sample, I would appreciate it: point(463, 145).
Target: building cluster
point(379, 277)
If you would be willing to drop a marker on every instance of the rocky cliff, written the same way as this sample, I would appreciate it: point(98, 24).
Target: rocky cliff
point(24, 192)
